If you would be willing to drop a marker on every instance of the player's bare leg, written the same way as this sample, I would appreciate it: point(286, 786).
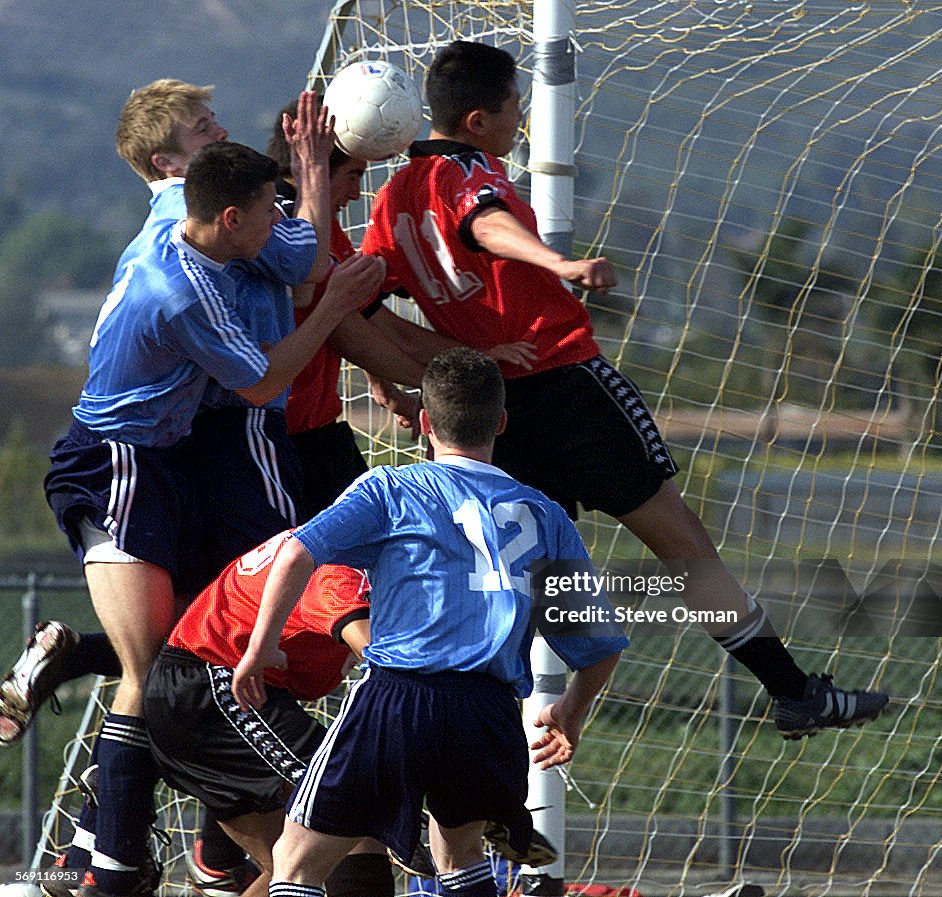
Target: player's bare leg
point(305, 857)
point(135, 604)
point(459, 857)
point(456, 848)
point(679, 539)
point(256, 834)
point(804, 705)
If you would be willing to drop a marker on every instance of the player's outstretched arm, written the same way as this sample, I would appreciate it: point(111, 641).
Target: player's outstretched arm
point(311, 138)
point(352, 284)
point(500, 233)
point(424, 344)
point(290, 572)
point(563, 719)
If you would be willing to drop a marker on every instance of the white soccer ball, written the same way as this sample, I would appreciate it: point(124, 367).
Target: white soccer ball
point(20, 889)
point(377, 108)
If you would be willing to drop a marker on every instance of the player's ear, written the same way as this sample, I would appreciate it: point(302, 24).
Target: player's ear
point(231, 218)
point(475, 122)
point(162, 162)
point(425, 425)
point(501, 422)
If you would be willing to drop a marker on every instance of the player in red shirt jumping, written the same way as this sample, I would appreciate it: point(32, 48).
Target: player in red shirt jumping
point(456, 236)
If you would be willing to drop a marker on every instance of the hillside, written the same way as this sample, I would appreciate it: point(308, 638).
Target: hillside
point(68, 67)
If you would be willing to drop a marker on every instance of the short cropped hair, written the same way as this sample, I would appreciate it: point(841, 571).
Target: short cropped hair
point(279, 150)
point(463, 77)
point(147, 122)
point(463, 395)
point(224, 174)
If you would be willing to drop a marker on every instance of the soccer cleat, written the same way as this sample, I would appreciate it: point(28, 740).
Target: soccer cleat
point(66, 886)
point(147, 885)
point(217, 882)
point(33, 678)
point(825, 707)
point(539, 853)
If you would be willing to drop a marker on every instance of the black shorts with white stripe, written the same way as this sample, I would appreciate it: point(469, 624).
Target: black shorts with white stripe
point(234, 761)
point(583, 434)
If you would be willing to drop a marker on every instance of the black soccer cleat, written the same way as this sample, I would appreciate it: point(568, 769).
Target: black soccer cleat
point(824, 706)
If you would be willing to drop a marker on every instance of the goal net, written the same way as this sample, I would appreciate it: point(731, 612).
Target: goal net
point(766, 176)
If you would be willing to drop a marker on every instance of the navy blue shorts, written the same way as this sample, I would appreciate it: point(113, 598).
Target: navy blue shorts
point(453, 739)
point(247, 483)
point(582, 434)
point(205, 745)
point(330, 461)
point(141, 496)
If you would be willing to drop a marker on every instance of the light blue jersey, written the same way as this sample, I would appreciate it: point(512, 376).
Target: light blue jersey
point(448, 547)
point(166, 327)
point(262, 298)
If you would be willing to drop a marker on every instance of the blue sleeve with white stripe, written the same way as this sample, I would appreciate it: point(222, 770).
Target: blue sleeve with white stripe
point(289, 254)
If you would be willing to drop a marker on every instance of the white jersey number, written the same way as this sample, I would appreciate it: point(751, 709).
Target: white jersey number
point(457, 284)
point(493, 574)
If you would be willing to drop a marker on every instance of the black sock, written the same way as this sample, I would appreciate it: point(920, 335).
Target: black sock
point(361, 875)
point(94, 654)
point(219, 851)
point(756, 645)
point(126, 778)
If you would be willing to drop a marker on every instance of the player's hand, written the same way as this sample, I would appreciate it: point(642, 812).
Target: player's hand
point(248, 682)
point(405, 405)
point(354, 282)
point(558, 743)
point(311, 134)
point(596, 274)
point(520, 353)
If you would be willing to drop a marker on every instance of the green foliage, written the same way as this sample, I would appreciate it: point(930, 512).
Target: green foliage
point(45, 249)
point(51, 248)
point(23, 510)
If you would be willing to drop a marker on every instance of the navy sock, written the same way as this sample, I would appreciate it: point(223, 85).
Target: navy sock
point(78, 855)
point(94, 654)
point(126, 779)
point(362, 875)
point(475, 881)
point(287, 889)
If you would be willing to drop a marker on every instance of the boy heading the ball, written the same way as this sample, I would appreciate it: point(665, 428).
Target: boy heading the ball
point(457, 237)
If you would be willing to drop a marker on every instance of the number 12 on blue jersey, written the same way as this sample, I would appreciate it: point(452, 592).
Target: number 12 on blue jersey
point(493, 574)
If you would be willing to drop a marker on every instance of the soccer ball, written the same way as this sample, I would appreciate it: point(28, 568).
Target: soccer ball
point(377, 109)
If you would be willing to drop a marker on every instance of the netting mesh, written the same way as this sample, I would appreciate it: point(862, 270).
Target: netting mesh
point(766, 177)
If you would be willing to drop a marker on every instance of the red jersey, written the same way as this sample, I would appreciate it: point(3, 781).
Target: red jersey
point(313, 401)
point(216, 627)
point(420, 224)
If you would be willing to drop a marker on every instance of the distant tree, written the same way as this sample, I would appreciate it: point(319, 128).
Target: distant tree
point(46, 249)
point(908, 312)
point(51, 248)
point(23, 509)
point(799, 306)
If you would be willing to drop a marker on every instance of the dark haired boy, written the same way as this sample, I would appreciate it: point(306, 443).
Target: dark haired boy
point(447, 545)
point(121, 482)
point(457, 237)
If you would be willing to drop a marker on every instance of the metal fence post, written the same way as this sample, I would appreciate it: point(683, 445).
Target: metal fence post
point(728, 838)
point(30, 790)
